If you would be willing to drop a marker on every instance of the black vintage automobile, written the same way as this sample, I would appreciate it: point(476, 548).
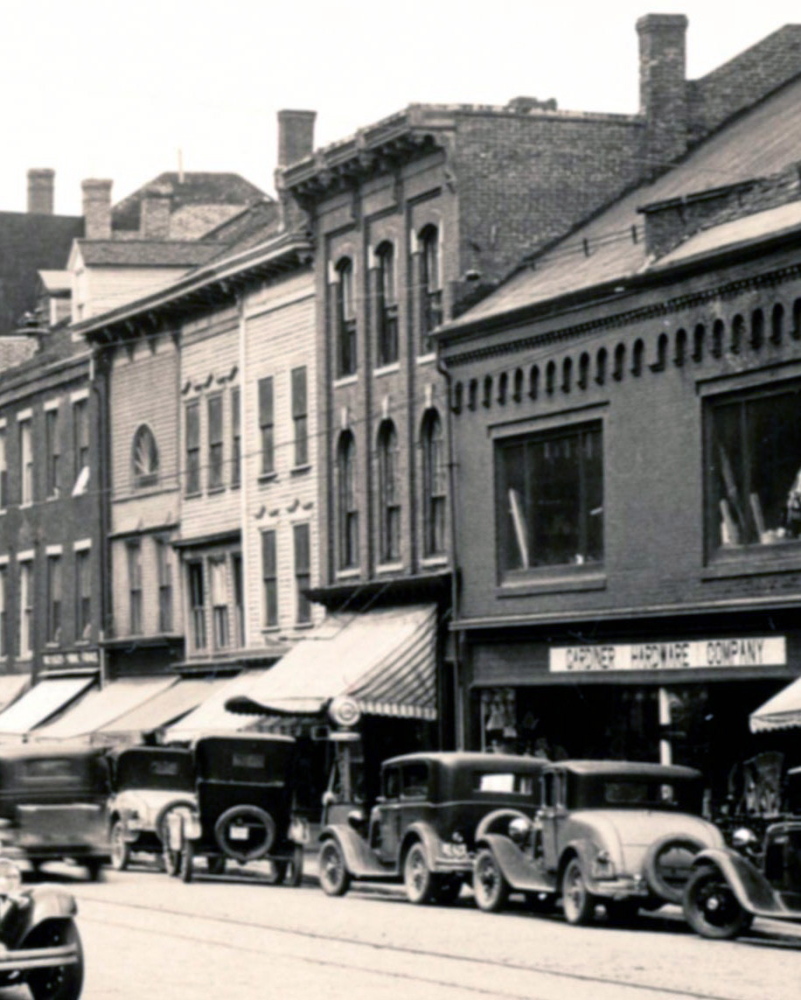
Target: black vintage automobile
point(244, 788)
point(148, 784)
point(612, 832)
point(53, 804)
point(754, 878)
point(421, 829)
point(39, 940)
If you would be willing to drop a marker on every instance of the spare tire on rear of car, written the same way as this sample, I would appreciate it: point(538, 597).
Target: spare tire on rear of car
point(668, 865)
point(260, 836)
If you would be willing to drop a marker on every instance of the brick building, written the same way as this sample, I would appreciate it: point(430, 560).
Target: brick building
point(625, 424)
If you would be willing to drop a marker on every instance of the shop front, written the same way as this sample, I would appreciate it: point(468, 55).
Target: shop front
point(682, 699)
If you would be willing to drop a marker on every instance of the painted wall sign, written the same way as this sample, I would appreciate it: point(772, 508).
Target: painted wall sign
point(755, 651)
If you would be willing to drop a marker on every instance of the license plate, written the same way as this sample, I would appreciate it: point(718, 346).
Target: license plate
point(239, 833)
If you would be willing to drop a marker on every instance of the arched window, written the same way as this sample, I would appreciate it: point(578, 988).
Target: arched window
point(718, 334)
point(434, 485)
point(777, 324)
point(503, 385)
point(550, 377)
point(347, 513)
point(386, 306)
point(517, 391)
point(487, 400)
point(584, 371)
point(637, 355)
point(795, 333)
point(472, 394)
point(389, 493)
point(430, 286)
point(533, 382)
point(145, 458)
point(699, 334)
point(345, 319)
point(737, 331)
point(757, 329)
point(680, 348)
point(619, 369)
point(659, 364)
point(458, 393)
point(567, 374)
point(600, 366)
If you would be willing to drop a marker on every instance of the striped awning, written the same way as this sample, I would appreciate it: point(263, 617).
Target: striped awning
point(782, 711)
point(42, 702)
point(102, 706)
point(383, 660)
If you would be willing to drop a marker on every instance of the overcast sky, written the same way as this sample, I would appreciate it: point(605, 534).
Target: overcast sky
point(114, 88)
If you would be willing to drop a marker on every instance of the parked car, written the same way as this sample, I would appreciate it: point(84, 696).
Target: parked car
point(731, 886)
point(53, 804)
point(148, 784)
point(244, 788)
point(421, 829)
point(611, 832)
point(39, 940)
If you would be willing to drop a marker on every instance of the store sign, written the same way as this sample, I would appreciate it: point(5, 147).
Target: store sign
point(756, 651)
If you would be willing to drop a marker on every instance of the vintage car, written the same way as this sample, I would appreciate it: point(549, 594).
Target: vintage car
point(53, 804)
point(622, 834)
point(731, 886)
point(148, 783)
point(244, 788)
point(39, 941)
point(421, 829)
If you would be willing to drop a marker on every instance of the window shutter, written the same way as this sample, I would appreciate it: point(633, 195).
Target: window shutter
point(193, 426)
point(215, 418)
point(302, 554)
point(268, 554)
point(299, 392)
point(265, 401)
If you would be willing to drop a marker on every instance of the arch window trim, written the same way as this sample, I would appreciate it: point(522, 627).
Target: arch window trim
point(429, 242)
point(144, 458)
point(347, 507)
point(388, 452)
point(435, 485)
point(387, 348)
point(345, 321)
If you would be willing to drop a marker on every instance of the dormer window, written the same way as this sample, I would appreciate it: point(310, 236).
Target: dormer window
point(145, 458)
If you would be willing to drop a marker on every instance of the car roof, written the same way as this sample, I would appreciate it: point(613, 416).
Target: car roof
point(455, 759)
point(243, 738)
point(24, 751)
point(639, 769)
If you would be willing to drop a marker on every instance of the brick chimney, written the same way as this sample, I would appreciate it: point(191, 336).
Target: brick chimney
point(154, 213)
point(295, 136)
point(97, 209)
point(40, 191)
point(663, 89)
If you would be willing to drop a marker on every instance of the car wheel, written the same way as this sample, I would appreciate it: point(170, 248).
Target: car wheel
point(711, 908)
point(216, 864)
point(62, 982)
point(334, 874)
point(186, 861)
point(577, 901)
point(447, 890)
point(668, 865)
point(489, 884)
point(417, 876)
point(119, 846)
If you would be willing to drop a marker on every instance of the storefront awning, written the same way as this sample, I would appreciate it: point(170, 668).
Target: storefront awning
point(211, 716)
point(384, 660)
point(42, 702)
point(11, 687)
point(102, 706)
point(782, 711)
point(163, 708)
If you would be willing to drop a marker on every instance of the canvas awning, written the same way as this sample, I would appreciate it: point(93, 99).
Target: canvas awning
point(102, 706)
point(782, 711)
point(11, 687)
point(211, 715)
point(163, 708)
point(383, 660)
point(42, 702)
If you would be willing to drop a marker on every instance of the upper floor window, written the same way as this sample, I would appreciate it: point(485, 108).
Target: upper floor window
point(164, 571)
point(430, 286)
point(134, 550)
point(347, 508)
point(25, 637)
point(193, 447)
point(215, 444)
point(300, 538)
point(753, 490)
point(218, 577)
point(80, 421)
point(389, 493)
point(53, 447)
point(269, 574)
point(54, 598)
point(236, 437)
point(300, 416)
point(83, 594)
point(345, 319)
point(3, 470)
point(145, 458)
point(266, 425)
point(3, 618)
point(386, 306)
point(550, 499)
point(26, 461)
point(435, 485)
point(197, 604)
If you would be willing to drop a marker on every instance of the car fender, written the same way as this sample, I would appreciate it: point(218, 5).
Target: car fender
point(516, 866)
point(430, 840)
point(497, 820)
point(750, 887)
point(359, 857)
point(183, 803)
point(581, 849)
point(44, 903)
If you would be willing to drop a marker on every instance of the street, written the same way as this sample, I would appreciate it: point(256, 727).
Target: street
point(146, 935)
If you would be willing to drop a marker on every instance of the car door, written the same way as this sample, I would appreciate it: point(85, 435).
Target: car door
point(553, 814)
point(387, 828)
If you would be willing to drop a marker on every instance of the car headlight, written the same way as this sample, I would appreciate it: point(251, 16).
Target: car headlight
point(10, 877)
point(603, 867)
point(299, 830)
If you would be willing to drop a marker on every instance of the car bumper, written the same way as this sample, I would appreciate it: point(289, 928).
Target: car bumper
point(25, 959)
point(622, 887)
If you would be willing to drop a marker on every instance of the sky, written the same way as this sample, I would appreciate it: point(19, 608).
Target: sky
point(121, 89)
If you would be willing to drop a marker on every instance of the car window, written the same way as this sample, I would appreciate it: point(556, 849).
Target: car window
point(509, 782)
point(391, 783)
point(55, 770)
point(661, 795)
point(415, 781)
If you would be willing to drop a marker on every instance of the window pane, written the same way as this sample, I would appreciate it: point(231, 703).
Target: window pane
point(193, 447)
point(302, 573)
point(266, 425)
point(215, 415)
point(269, 576)
point(299, 415)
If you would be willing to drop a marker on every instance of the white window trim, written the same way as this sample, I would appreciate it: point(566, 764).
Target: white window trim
point(54, 550)
point(52, 404)
point(24, 415)
point(26, 556)
point(79, 395)
point(83, 545)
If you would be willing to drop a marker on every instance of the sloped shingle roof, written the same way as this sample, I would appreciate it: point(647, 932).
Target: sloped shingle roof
point(147, 253)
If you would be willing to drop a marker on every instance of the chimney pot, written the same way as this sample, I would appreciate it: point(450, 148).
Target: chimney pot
point(295, 136)
point(663, 87)
point(97, 209)
point(40, 190)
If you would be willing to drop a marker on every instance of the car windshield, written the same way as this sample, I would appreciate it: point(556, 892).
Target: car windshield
point(168, 771)
point(647, 793)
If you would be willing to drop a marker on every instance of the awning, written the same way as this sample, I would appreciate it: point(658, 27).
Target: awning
point(102, 706)
point(11, 687)
point(384, 660)
point(782, 711)
point(211, 716)
point(164, 708)
point(42, 702)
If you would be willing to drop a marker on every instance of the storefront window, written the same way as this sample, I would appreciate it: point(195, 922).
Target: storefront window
point(550, 499)
point(754, 469)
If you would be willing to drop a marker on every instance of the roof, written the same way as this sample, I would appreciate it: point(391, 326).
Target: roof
point(56, 281)
point(488, 761)
point(28, 244)
point(53, 347)
point(762, 141)
point(631, 769)
point(782, 711)
point(147, 253)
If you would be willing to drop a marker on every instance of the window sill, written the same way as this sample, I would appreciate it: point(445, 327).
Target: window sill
point(193, 496)
point(389, 567)
point(348, 574)
point(557, 580)
point(390, 369)
point(26, 505)
point(268, 477)
point(429, 562)
point(213, 490)
point(270, 629)
point(345, 380)
point(426, 359)
point(303, 626)
point(300, 470)
point(783, 557)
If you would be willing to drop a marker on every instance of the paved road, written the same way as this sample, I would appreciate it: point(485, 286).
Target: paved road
point(147, 936)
